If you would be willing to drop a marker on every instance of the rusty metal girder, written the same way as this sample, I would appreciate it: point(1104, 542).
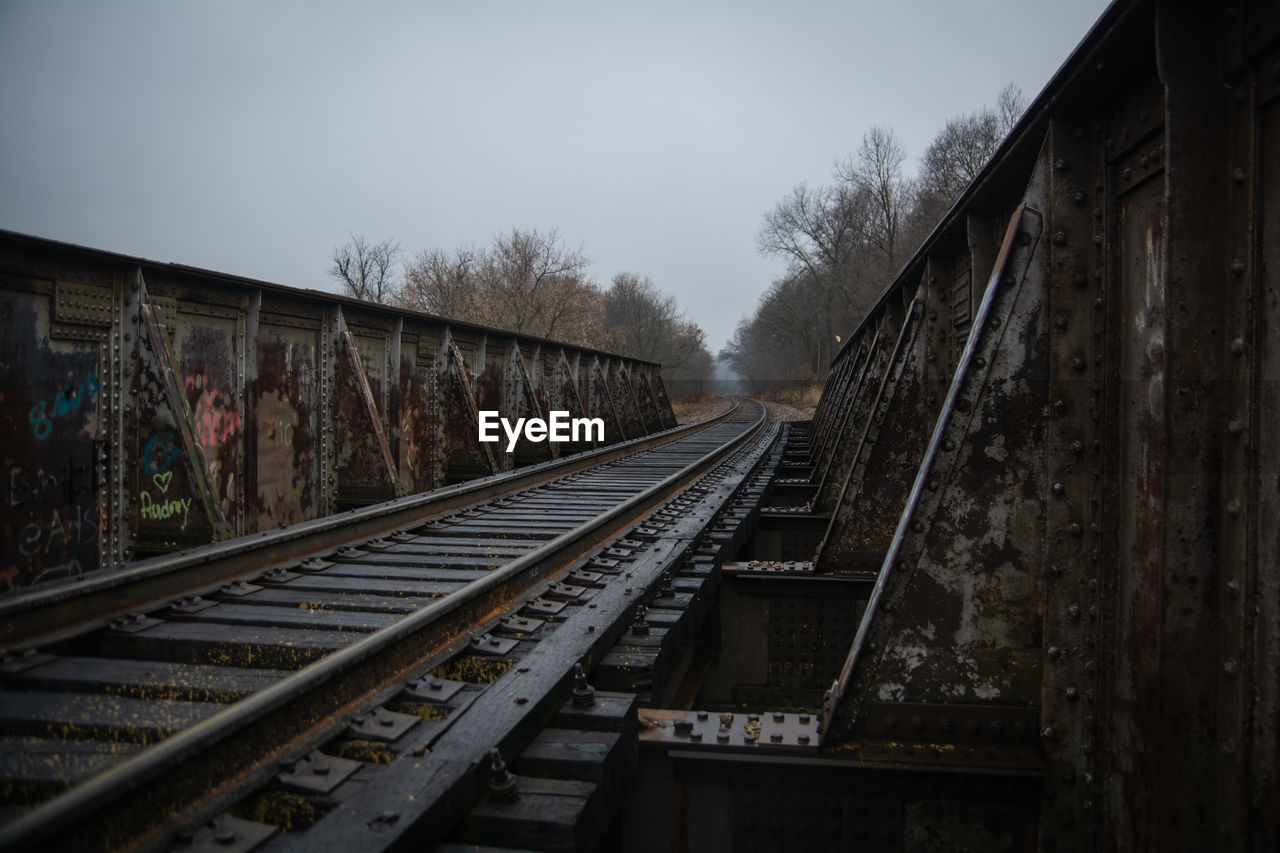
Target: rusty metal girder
point(599, 402)
point(260, 405)
point(880, 474)
point(831, 470)
point(624, 400)
point(1090, 535)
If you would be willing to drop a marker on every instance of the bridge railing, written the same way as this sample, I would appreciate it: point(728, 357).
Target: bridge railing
point(1053, 442)
point(153, 407)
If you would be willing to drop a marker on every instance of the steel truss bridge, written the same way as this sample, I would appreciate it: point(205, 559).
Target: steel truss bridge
point(1015, 586)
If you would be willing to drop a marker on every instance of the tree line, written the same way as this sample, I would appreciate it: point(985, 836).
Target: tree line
point(843, 242)
point(531, 283)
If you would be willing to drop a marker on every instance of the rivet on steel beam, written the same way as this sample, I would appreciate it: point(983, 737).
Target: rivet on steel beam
point(1049, 733)
point(1060, 322)
point(1229, 668)
point(972, 726)
point(1237, 347)
point(997, 726)
point(1077, 447)
point(1060, 164)
point(1078, 197)
point(1024, 238)
point(1073, 611)
point(1127, 174)
point(1235, 427)
point(1233, 508)
point(1075, 529)
point(1238, 175)
point(1054, 653)
point(1237, 266)
point(1059, 489)
point(948, 444)
point(1073, 694)
point(1233, 588)
point(1059, 406)
point(1078, 364)
point(1060, 238)
point(980, 362)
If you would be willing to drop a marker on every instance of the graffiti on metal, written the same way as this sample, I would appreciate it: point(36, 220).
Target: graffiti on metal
point(153, 407)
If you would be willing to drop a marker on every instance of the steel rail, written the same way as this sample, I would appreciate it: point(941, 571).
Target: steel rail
point(835, 695)
point(68, 609)
point(482, 597)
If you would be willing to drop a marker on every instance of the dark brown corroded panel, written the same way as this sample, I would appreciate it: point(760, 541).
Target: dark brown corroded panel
point(465, 456)
point(520, 401)
point(832, 470)
point(955, 613)
point(206, 347)
point(599, 402)
point(363, 462)
point(286, 417)
point(646, 401)
point(416, 435)
point(875, 492)
point(48, 429)
point(172, 499)
point(666, 415)
point(624, 400)
point(562, 393)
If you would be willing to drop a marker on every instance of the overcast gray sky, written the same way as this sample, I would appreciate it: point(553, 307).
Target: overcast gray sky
point(252, 137)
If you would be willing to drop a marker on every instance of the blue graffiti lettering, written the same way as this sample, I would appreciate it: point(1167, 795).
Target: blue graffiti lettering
point(42, 413)
point(160, 452)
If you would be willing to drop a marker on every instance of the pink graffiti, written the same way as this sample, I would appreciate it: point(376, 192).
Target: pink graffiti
point(214, 424)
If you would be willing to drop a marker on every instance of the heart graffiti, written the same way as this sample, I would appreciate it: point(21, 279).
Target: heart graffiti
point(163, 479)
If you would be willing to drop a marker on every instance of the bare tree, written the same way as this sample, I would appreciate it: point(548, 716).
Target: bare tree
point(443, 283)
point(876, 170)
point(637, 316)
point(960, 151)
point(642, 322)
point(818, 229)
point(531, 281)
point(367, 270)
point(1010, 105)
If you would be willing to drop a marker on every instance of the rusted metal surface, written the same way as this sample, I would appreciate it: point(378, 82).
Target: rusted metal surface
point(154, 407)
point(1089, 535)
point(599, 401)
point(625, 403)
point(880, 472)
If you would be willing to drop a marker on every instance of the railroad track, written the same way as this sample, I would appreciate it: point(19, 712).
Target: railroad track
point(343, 682)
